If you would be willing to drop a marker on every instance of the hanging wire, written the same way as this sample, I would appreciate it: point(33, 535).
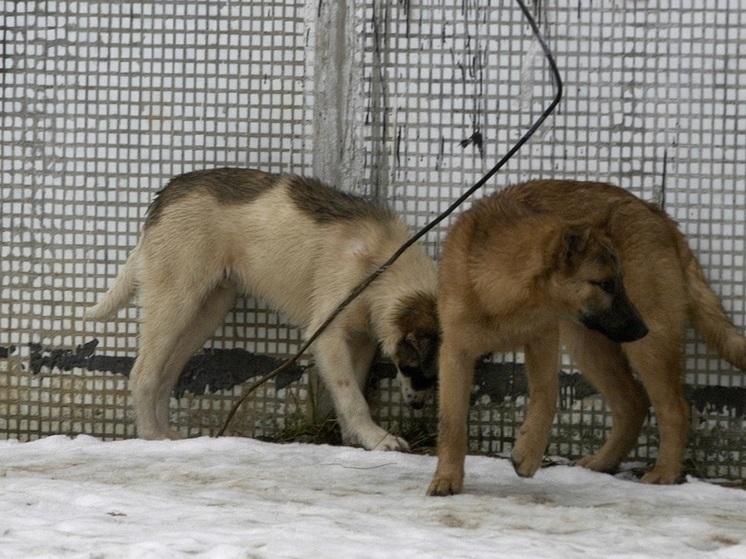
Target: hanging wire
point(427, 228)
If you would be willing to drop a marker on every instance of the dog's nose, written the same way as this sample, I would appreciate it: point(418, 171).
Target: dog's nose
point(641, 331)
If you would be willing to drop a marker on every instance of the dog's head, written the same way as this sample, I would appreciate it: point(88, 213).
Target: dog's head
point(415, 354)
point(588, 281)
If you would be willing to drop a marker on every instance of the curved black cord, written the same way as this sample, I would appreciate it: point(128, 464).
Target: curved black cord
point(422, 232)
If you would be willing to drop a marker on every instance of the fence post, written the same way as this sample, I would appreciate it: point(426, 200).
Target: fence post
point(337, 143)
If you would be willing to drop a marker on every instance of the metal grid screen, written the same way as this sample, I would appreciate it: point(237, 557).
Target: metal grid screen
point(409, 101)
point(102, 102)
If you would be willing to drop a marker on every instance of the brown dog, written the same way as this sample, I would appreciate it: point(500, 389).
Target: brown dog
point(590, 266)
point(302, 247)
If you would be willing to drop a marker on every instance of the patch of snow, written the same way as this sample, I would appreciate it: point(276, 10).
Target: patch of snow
point(236, 498)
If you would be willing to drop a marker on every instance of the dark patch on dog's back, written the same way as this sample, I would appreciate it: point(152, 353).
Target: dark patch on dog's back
point(325, 204)
point(231, 186)
point(227, 186)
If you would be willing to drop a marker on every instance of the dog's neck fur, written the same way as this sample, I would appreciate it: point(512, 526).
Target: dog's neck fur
point(510, 288)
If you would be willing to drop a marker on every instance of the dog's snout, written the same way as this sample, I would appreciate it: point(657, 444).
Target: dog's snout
point(640, 332)
point(415, 399)
point(619, 327)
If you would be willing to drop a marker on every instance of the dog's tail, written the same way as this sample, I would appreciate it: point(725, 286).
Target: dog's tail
point(118, 294)
point(708, 315)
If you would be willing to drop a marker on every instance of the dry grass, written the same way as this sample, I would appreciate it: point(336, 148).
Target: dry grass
point(420, 433)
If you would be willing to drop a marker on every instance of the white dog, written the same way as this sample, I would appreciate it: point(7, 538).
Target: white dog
point(302, 247)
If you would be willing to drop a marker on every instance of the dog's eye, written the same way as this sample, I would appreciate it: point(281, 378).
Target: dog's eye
point(607, 286)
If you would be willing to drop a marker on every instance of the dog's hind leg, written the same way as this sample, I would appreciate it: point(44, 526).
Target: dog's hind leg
point(657, 361)
point(173, 322)
point(606, 367)
point(542, 370)
point(210, 315)
point(162, 325)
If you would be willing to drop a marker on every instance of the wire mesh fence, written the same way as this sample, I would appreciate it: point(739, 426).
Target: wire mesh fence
point(411, 102)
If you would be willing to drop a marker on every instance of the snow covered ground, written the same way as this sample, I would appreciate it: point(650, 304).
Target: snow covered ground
point(240, 498)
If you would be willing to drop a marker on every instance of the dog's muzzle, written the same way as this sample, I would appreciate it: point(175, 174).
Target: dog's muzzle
point(621, 322)
point(414, 395)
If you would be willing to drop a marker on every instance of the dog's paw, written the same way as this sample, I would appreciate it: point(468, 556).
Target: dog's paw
point(662, 476)
point(526, 460)
point(597, 463)
point(390, 442)
point(375, 438)
point(443, 486)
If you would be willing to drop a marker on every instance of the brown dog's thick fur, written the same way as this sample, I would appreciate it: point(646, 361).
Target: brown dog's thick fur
point(592, 267)
point(300, 246)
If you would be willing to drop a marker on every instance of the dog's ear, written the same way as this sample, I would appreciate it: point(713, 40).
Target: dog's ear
point(417, 359)
point(412, 350)
point(575, 242)
point(581, 243)
point(417, 320)
point(569, 247)
point(418, 351)
point(407, 354)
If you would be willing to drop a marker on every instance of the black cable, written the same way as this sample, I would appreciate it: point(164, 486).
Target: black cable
point(425, 230)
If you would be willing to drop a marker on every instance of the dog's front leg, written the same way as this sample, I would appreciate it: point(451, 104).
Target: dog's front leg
point(337, 363)
point(456, 378)
point(542, 357)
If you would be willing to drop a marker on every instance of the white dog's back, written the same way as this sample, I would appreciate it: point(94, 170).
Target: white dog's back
point(280, 238)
